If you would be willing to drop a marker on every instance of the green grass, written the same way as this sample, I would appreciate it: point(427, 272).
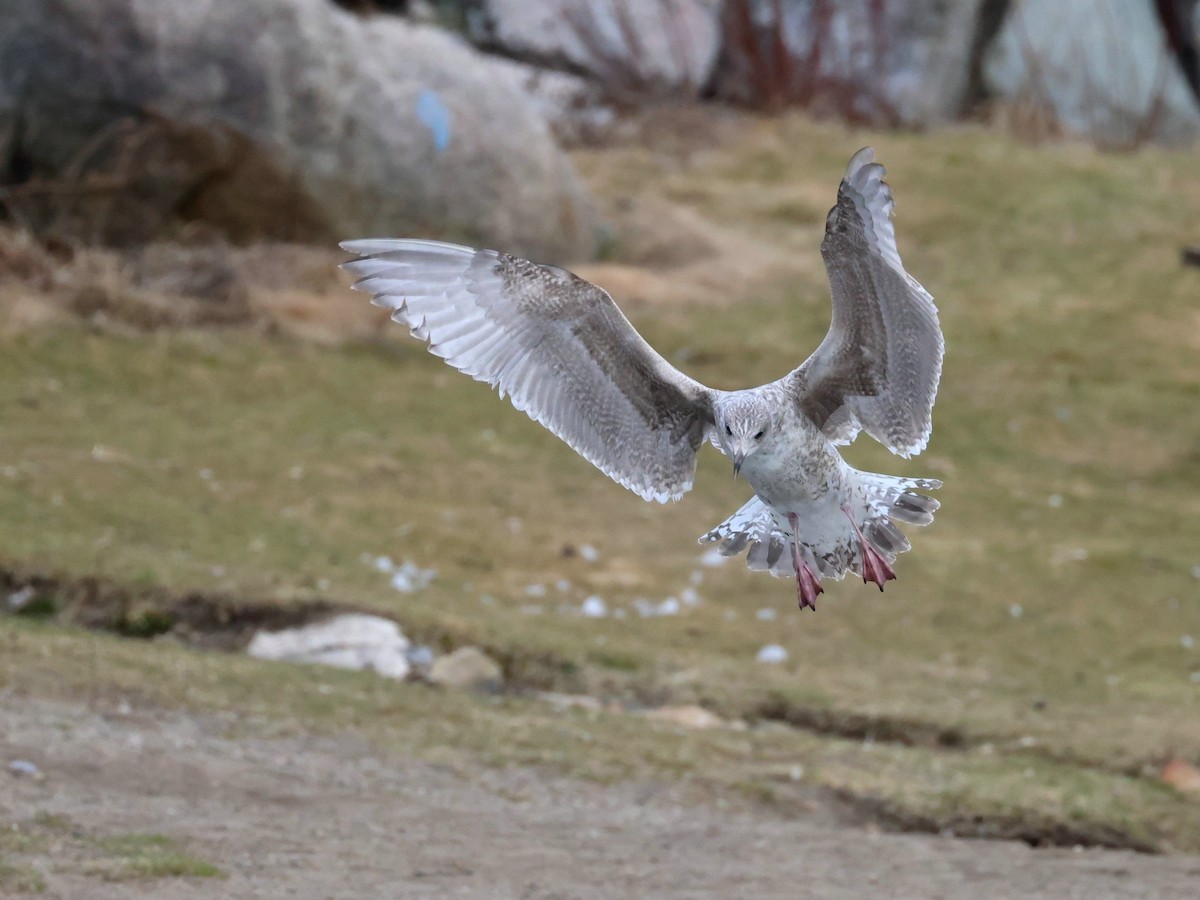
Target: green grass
point(1043, 616)
point(136, 856)
point(57, 844)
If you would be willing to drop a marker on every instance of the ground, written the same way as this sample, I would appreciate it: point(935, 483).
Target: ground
point(316, 817)
point(1028, 676)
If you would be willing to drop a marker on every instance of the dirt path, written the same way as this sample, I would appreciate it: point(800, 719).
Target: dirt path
point(316, 817)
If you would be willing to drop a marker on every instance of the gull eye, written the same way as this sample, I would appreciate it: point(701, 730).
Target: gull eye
point(758, 437)
point(729, 431)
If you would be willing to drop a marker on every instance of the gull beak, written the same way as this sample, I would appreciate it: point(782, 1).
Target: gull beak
point(738, 459)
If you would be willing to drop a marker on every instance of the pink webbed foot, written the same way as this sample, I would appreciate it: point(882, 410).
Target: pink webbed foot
point(807, 587)
point(875, 568)
point(807, 583)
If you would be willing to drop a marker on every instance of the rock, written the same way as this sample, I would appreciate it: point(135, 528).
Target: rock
point(23, 768)
point(571, 701)
point(408, 577)
point(772, 654)
point(573, 106)
point(467, 667)
point(351, 641)
point(629, 46)
point(1182, 775)
point(687, 716)
point(420, 658)
point(1095, 67)
point(287, 119)
point(892, 63)
point(19, 599)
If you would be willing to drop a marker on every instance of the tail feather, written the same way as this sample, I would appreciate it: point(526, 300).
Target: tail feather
point(881, 501)
point(754, 526)
point(913, 509)
point(887, 537)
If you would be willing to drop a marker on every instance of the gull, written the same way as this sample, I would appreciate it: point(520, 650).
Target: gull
point(564, 354)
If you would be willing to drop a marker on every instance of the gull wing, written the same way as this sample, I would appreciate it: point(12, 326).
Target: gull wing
point(878, 367)
point(557, 345)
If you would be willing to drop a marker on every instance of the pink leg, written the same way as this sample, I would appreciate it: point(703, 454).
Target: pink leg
point(874, 567)
point(807, 583)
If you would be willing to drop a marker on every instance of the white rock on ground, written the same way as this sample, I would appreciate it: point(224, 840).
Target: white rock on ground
point(467, 667)
point(409, 577)
point(353, 641)
point(772, 654)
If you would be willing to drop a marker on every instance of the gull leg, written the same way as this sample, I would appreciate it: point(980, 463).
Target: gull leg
point(874, 567)
point(807, 583)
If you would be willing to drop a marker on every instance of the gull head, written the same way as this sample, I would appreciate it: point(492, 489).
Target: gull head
point(744, 422)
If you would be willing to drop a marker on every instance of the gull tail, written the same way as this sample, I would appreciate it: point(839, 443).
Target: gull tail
point(754, 526)
point(829, 541)
point(883, 500)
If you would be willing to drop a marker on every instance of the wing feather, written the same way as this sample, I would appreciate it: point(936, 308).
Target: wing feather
point(879, 365)
point(556, 345)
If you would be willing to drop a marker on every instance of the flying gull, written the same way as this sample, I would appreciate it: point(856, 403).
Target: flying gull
point(562, 351)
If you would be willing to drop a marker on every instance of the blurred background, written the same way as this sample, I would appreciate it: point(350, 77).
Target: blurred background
point(214, 456)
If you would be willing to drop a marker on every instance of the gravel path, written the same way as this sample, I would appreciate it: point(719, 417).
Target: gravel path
point(310, 817)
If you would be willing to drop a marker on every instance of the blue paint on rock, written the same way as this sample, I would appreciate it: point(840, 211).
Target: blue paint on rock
point(436, 117)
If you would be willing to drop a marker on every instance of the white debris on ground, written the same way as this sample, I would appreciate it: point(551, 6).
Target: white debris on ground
point(712, 558)
point(562, 585)
point(353, 641)
point(18, 600)
point(648, 608)
point(407, 577)
point(23, 768)
point(420, 658)
point(594, 608)
point(772, 654)
point(767, 614)
point(589, 553)
point(689, 597)
point(535, 590)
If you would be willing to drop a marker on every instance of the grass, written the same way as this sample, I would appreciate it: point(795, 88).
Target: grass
point(55, 843)
point(1044, 618)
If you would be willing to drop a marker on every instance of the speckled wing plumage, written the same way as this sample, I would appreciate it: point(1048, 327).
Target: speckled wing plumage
point(878, 367)
point(557, 345)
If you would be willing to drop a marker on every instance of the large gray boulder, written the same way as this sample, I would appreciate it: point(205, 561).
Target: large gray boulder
point(888, 63)
point(648, 46)
point(1100, 68)
point(287, 119)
